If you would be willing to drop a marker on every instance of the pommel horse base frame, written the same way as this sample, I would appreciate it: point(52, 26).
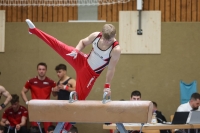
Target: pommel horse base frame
point(88, 111)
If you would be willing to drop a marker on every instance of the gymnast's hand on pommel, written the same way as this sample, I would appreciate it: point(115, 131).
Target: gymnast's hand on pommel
point(107, 89)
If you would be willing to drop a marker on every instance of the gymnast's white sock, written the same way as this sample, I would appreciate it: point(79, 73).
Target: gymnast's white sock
point(30, 24)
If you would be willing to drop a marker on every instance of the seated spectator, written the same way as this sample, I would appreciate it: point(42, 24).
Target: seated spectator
point(73, 129)
point(160, 117)
point(192, 105)
point(51, 129)
point(135, 95)
point(34, 129)
point(14, 117)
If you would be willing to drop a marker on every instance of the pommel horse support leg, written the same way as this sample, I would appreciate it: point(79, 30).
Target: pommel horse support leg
point(90, 111)
point(60, 125)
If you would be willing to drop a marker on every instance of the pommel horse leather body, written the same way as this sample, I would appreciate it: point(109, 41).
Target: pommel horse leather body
point(89, 111)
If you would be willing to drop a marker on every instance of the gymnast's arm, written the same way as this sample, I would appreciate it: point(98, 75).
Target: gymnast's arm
point(86, 41)
point(5, 93)
point(23, 121)
point(55, 91)
point(4, 122)
point(23, 94)
point(72, 85)
point(115, 55)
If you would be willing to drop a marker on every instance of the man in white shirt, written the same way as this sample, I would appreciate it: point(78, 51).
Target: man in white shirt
point(192, 105)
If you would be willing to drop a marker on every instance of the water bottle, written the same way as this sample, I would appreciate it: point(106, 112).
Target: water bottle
point(154, 119)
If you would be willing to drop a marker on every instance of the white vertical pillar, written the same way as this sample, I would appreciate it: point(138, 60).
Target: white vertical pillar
point(2, 30)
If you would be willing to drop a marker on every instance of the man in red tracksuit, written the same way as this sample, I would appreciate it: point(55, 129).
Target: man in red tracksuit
point(40, 87)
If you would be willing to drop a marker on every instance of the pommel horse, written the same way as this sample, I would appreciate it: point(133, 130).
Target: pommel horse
point(89, 111)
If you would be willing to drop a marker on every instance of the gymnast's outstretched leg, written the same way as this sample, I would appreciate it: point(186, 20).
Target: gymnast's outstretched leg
point(70, 54)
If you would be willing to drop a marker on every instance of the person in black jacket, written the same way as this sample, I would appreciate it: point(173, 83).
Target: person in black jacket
point(160, 117)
